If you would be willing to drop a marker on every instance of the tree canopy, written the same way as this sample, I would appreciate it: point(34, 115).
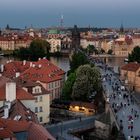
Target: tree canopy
point(87, 81)
point(135, 55)
point(77, 60)
point(67, 89)
point(110, 51)
point(38, 48)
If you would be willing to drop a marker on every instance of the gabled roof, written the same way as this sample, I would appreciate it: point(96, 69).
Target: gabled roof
point(18, 108)
point(131, 67)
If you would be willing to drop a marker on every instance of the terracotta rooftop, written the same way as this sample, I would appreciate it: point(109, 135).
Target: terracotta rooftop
point(3, 80)
point(42, 70)
point(21, 94)
point(131, 67)
point(4, 132)
point(38, 132)
point(18, 109)
point(30, 84)
point(9, 128)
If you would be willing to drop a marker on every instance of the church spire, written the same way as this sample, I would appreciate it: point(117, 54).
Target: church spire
point(121, 28)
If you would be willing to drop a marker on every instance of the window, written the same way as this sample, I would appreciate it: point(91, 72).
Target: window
point(41, 119)
point(36, 110)
point(41, 110)
point(40, 98)
point(36, 99)
point(36, 89)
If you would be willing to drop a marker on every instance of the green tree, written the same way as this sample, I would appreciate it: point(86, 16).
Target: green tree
point(87, 81)
point(110, 51)
point(135, 55)
point(77, 60)
point(91, 49)
point(39, 48)
point(102, 51)
point(67, 89)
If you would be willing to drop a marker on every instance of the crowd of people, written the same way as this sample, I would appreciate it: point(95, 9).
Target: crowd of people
point(122, 102)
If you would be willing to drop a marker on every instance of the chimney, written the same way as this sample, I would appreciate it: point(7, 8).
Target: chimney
point(2, 67)
point(6, 112)
point(24, 62)
point(31, 64)
point(17, 74)
point(10, 91)
point(39, 65)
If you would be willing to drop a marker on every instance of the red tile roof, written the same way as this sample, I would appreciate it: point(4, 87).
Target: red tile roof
point(3, 80)
point(18, 108)
point(43, 71)
point(38, 132)
point(21, 94)
point(11, 68)
point(4, 132)
point(8, 128)
point(131, 67)
point(47, 72)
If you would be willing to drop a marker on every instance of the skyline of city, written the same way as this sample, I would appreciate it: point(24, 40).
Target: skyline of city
point(45, 13)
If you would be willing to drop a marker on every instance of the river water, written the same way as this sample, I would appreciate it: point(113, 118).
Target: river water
point(63, 62)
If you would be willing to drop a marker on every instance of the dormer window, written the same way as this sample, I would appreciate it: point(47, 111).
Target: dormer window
point(36, 89)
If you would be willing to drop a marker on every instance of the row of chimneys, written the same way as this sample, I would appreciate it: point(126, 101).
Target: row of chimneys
point(24, 63)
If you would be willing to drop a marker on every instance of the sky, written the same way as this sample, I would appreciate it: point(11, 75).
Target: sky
point(44, 13)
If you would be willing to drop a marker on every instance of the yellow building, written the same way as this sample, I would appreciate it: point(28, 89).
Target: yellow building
point(41, 105)
point(123, 46)
point(130, 73)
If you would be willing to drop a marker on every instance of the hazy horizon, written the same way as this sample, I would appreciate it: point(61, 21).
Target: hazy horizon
point(44, 13)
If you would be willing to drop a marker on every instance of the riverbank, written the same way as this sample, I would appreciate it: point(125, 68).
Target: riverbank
point(107, 56)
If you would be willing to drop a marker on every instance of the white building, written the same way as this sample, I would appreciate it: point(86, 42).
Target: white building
point(55, 45)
